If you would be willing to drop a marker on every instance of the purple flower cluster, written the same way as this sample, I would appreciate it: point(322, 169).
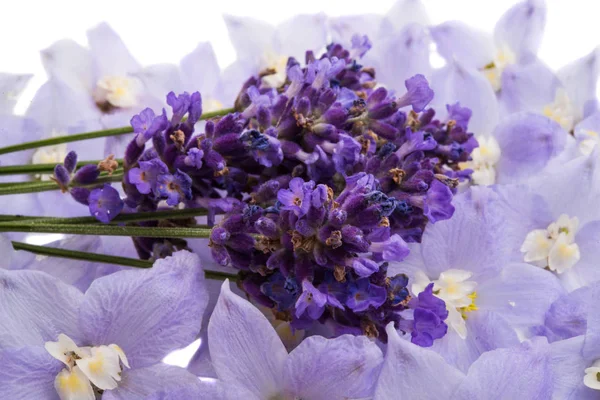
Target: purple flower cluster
point(313, 256)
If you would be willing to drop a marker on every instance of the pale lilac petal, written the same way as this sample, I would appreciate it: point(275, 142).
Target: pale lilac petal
point(233, 78)
point(250, 37)
point(586, 271)
point(147, 313)
point(568, 366)
point(521, 294)
point(110, 55)
point(200, 70)
point(11, 87)
point(527, 142)
point(375, 26)
point(71, 63)
point(200, 390)
point(160, 79)
point(344, 367)
point(471, 240)
point(296, 35)
point(485, 331)
point(591, 346)
point(572, 188)
point(521, 28)
point(456, 40)
point(580, 78)
point(522, 372)
point(567, 316)
point(56, 106)
point(400, 56)
point(458, 83)
point(244, 347)
point(35, 308)
point(411, 371)
point(406, 12)
point(528, 87)
point(28, 373)
point(141, 383)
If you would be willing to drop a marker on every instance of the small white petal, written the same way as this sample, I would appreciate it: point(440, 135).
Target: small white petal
point(102, 368)
point(73, 385)
point(537, 245)
point(563, 255)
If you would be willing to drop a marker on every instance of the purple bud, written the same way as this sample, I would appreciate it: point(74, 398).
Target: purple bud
point(70, 161)
point(87, 174)
point(80, 195)
point(219, 236)
point(62, 176)
point(266, 226)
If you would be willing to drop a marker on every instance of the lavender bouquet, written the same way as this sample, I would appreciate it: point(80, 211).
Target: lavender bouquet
point(330, 217)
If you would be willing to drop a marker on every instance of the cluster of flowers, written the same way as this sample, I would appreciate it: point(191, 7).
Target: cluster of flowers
point(323, 179)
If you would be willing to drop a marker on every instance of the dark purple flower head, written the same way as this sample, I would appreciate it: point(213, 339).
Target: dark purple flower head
point(105, 203)
point(174, 188)
point(145, 178)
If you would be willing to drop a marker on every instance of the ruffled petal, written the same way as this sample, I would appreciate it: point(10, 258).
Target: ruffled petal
point(521, 294)
point(28, 373)
point(35, 308)
point(250, 37)
point(110, 55)
point(410, 371)
point(244, 347)
point(147, 313)
point(289, 41)
point(521, 28)
point(344, 367)
point(456, 40)
point(11, 87)
point(580, 78)
point(406, 12)
point(458, 83)
point(200, 70)
point(71, 63)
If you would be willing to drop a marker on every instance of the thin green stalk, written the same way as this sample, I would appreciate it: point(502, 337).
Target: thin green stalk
point(41, 168)
point(121, 218)
point(105, 230)
point(35, 187)
point(91, 135)
point(104, 259)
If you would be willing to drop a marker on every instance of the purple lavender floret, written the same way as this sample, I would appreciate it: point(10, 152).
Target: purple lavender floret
point(145, 178)
point(105, 203)
point(174, 188)
point(429, 315)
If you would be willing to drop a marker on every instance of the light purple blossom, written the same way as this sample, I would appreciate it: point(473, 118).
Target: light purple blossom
point(105, 203)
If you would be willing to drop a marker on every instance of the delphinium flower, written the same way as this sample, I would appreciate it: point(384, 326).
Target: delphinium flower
point(107, 343)
point(523, 371)
point(468, 258)
point(104, 81)
point(559, 234)
point(251, 362)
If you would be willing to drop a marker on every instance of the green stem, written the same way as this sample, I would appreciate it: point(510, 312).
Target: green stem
point(132, 217)
point(91, 135)
point(104, 259)
point(35, 187)
point(40, 168)
point(105, 230)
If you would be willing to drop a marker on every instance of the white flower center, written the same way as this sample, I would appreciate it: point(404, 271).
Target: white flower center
point(117, 91)
point(276, 62)
point(587, 140)
point(456, 290)
point(483, 161)
point(209, 105)
point(592, 376)
point(554, 247)
point(561, 110)
point(87, 368)
point(493, 71)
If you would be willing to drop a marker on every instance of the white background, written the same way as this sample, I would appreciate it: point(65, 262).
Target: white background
point(164, 31)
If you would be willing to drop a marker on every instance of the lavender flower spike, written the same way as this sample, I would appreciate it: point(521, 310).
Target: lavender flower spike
point(107, 343)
